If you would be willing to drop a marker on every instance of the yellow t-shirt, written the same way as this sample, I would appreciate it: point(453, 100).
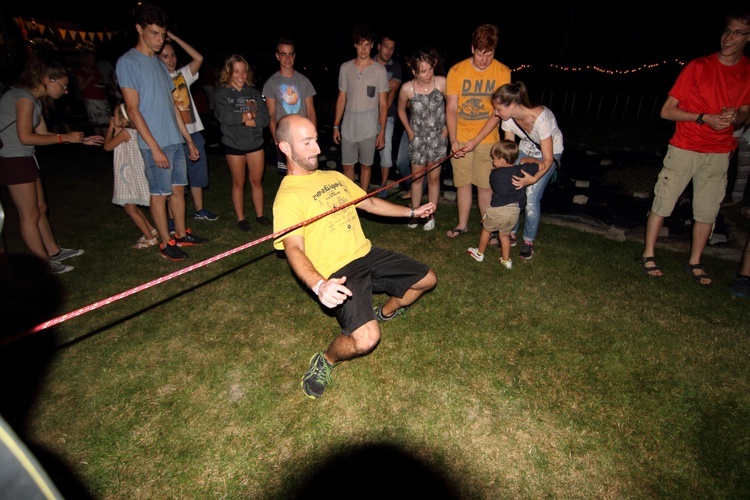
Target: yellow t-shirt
point(474, 89)
point(332, 241)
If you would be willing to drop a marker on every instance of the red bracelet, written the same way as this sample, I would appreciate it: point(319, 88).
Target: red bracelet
point(59, 139)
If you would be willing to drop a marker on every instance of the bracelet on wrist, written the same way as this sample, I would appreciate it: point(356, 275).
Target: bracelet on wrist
point(316, 288)
point(59, 139)
point(336, 127)
point(412, 213)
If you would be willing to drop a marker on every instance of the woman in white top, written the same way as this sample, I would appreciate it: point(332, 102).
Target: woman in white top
point(541, 142)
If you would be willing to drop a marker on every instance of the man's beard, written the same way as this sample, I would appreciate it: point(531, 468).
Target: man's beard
point(309, 164)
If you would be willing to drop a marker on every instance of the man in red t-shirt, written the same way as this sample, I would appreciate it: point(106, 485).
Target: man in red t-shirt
point(710, 96)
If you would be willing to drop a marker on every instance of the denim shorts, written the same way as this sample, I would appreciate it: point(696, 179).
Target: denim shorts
point(197, 171)
point(161, 180)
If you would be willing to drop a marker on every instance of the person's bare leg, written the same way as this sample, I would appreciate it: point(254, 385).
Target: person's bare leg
point(416, 186)
point(362, 341)
point(158, 209)
point(256, 163)
point(412, 294)
point(463, 201)
point(504, 245)
point(236, 165)
point(701, 233)
point(484, 240)
point(140, 220)
point(197, 194)
point(24, 197)
point(653, 228)
point(484, 197)
point(433, 186)
point(365, 173)
point(348, 171)
point(177, 206)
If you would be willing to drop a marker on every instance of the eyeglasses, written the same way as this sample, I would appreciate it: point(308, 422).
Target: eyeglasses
point(735, 33)
point(64, 87)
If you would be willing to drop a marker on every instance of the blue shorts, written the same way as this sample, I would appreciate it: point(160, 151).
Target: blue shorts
point(161, 180)
point(197, 171)
point(380, 271)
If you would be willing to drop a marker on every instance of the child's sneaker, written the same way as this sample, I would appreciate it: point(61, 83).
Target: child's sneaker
point(512, 239)
point(508, 264)
point(474, 252)
point(429, 225)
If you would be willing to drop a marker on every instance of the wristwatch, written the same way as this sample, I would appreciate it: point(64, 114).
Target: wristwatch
point(699, 120)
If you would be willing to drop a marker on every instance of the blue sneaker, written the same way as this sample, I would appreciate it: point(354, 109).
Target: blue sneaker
point(740, 287)
point(206, 214)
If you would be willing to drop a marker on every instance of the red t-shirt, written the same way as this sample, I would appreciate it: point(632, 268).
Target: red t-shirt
point(706, 85)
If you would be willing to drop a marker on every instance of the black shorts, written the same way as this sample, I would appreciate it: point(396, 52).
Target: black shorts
point(18, 170)
point(240, 152)
point(380, 271)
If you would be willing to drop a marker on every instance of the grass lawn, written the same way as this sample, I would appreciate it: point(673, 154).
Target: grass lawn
point(570, 376)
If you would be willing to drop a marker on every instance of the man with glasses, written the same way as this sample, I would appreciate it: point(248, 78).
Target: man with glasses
point(710, 97)
point(288, 92)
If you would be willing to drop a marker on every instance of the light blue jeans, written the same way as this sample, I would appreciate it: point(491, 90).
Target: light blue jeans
point(533, 211)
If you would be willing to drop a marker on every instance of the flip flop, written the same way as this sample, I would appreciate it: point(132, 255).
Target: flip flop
point(455, 233)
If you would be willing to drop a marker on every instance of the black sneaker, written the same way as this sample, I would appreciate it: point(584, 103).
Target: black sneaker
point(317, 377)
point(190, 240)
point(172, 252)
point(243, 225)
point(382, 317)
point(263, 221)
point(527, 250)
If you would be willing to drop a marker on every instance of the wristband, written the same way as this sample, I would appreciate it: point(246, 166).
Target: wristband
point(59, 139)
point(317, 287)
point(412, 213)
point(336, 127)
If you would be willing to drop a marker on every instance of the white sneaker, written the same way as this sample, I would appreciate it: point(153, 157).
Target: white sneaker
point(413, 223)
point(55, 267)
point(507, 263)
point(429, 225)
point(474, 252)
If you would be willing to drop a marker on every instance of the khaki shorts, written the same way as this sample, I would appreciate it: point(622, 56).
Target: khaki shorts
point(501, 219)
point(707, 171)
point(473, 168)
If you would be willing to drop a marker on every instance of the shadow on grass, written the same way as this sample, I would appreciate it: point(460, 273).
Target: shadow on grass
point(374, 471)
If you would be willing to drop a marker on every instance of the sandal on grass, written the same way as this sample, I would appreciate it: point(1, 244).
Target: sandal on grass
point(701, 277)
point(143, 243)
point(455, 233)
point(649, 270)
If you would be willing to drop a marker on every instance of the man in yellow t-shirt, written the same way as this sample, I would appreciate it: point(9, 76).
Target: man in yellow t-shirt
point(472, 124)
point(331, 255)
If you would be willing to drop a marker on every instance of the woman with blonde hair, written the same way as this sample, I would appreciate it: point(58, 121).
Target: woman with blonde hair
point(242, 114)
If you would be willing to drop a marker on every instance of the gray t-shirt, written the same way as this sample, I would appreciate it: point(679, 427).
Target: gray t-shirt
point(362, 99)
point(289, 93)
point(12, 147)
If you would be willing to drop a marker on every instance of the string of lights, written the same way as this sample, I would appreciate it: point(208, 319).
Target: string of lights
point(606, 71)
